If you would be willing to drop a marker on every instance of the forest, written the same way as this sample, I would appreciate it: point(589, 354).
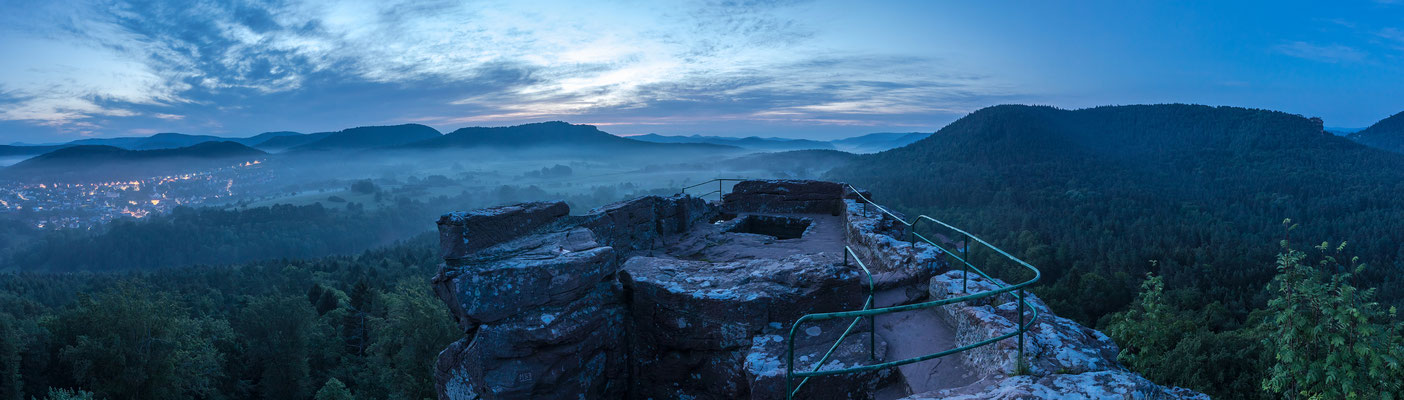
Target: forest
point(1193, 195)
point(365, 325)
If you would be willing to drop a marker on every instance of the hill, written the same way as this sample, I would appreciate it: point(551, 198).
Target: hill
point(875, 142)
point(1388, 134)
point(1198, 188)
point(103, 162)
point(289, 141)
point(753, 142)
point(6, 150)
point(558, 135)
point(1197, 195)
point(367, 137)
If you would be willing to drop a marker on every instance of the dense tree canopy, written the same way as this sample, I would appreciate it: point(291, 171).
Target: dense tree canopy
point(1093, 196)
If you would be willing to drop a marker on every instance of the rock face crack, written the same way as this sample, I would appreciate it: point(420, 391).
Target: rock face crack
point(677, 298)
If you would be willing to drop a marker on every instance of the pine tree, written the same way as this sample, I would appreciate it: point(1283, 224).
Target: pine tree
point(11, 382)
point(334, 390)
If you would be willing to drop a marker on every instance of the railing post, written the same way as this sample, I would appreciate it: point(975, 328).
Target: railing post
point(965, 265)
point(719, 189)
point(1020, 366)
point(790, 368)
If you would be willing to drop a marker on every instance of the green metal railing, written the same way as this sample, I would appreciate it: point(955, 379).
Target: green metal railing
point(720, 189)
point(872, 313)
point(869, 311)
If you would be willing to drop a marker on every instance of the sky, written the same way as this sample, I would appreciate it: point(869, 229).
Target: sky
point(803, 69)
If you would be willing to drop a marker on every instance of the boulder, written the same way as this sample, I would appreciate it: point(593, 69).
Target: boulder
point(564, 351)
point(462, 233)
point(523, 274)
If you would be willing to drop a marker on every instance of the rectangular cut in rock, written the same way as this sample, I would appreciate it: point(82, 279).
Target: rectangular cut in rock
point(462, 233)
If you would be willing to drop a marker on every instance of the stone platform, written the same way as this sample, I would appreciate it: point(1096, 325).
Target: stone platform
point(679, 298)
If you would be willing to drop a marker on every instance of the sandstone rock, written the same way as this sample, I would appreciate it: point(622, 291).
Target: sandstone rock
point(523, 274)
point(641, 223)
point(551, 352)
point(766, 363)
point(698, 319)
point(785, 196)
point(1100, 385)
point(461, 233)
point(1051, 345)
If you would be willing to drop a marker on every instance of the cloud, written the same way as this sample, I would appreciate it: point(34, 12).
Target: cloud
point(1333, 53)
point(452, 62)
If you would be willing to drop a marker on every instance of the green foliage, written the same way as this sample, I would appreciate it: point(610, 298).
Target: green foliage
point(68, 394)
point(11, 382)
point(334, 390)
point(1089, 195)
point(1330, 340)
point(130, 339)
point(1187, 348)
point(239, 332)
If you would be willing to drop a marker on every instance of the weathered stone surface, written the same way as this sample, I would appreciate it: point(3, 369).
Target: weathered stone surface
point(785, 196)
point(523, 274)
point(697, 318)
point(894, 258)
point(767, 360)
point(666, 298)
point(1052, 344)
point(462, 233)
point(552, 352)
point(1108, 385)
point(641, 223)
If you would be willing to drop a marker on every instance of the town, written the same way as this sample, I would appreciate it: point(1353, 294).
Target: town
point(84, 205)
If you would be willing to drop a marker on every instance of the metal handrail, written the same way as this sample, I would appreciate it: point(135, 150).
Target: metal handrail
point(720, 182)
point(872, 313)
point(872, 325)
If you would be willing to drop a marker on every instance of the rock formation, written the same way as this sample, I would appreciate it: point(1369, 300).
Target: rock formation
point(675, 297)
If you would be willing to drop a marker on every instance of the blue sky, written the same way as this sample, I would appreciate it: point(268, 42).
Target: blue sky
point(817, 69)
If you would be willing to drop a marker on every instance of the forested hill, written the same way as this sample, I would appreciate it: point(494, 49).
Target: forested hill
point(1092, 195)
point(1197, 195)
point(1387, 134)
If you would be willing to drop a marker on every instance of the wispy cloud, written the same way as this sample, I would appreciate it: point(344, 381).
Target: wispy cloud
point(1332, 53)
point(507, 61)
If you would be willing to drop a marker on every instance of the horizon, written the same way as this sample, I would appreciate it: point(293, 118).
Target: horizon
point(801, 70)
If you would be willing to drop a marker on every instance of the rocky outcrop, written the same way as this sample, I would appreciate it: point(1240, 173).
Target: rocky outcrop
point(785, 196)
point(673, 297)
point(697, 318)
point(1102, 385)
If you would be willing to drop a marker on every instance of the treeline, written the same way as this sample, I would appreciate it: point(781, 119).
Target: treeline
point(366, 326)
point(214, 236)
point(1098, 198)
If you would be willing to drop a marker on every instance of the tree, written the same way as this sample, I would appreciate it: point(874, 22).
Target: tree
point(68, 394)
point(1329, 339)
point(11, 382)
point(334, 390)
point(355, 328)
point(274, 332)
point(131, 342)
point(416, 327)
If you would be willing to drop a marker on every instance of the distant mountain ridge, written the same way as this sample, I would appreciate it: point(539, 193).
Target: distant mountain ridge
point(753, 142)
point(869, 143)
point(93, 161)
point(1388, 134)
point(551, 134)
point(368, 137)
